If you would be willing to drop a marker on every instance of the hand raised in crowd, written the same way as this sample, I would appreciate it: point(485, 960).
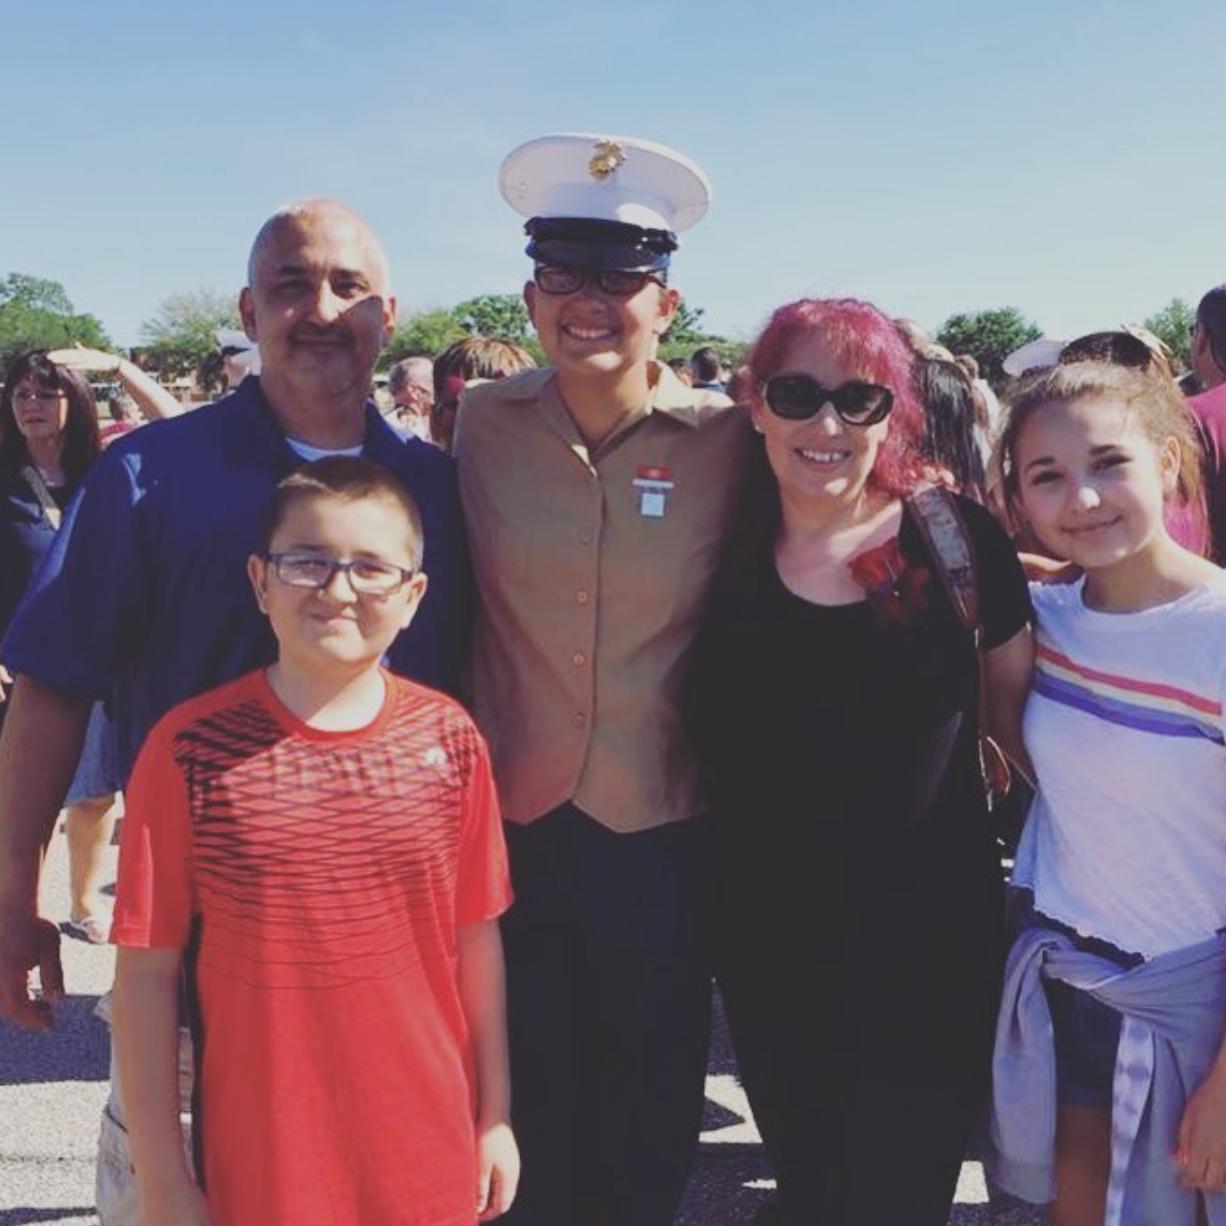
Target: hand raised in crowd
point(153, 400)
point(78, 357)
point(28, 943)
point(497, 1170)
point(1201, 1152)
point(6, 681)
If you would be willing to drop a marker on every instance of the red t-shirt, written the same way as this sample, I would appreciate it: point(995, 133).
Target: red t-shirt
point(316, 880)
point(1210, 410)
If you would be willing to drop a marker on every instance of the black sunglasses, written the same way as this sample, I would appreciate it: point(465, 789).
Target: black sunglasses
point(1117, 348)
point(616, 282)
point(797, 397)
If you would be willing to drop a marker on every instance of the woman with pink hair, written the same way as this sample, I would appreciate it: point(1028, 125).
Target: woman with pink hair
point(834, 698)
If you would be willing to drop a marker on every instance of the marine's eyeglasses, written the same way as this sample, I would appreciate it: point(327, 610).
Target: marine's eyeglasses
point(367, 576)
point(616, 282)
point(797, 397)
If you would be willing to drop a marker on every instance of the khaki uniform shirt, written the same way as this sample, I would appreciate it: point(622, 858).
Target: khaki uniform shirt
point(592, 568)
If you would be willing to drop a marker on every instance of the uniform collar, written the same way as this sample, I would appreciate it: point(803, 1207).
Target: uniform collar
point(666, 395)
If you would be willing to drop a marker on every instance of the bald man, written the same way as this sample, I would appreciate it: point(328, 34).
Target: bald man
point(144, 599)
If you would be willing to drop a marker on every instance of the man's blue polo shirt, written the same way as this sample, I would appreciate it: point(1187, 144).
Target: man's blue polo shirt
point(144, 597)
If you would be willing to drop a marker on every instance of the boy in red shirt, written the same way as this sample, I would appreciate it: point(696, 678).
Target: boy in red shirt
point(318, 844)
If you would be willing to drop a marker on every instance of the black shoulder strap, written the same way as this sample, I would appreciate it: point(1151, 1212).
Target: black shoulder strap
point(937, 516)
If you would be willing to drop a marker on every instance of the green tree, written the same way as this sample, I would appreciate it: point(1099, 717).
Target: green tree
point(989, 337)
point(500, 316)
point(36, 314)
point(1173, 325)
point(36, 292)
point(686, 328)
point(427, 332)
point(181, 336)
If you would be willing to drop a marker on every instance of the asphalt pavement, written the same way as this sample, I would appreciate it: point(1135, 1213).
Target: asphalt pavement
point(52, 1088)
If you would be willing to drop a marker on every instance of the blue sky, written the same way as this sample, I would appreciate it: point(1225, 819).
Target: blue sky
point(1064, 158)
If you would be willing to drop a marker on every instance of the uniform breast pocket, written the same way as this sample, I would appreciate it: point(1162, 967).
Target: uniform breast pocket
point(660, 566)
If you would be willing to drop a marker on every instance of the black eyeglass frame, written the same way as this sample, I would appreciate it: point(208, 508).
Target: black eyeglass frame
point(605, 279)
point(334, 565)
point(842, 399)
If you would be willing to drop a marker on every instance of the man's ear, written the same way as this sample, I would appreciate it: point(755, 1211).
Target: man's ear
point(246, 311)
point(670, 300)
point(389, 317)
point(257, 572)
point(530, 300)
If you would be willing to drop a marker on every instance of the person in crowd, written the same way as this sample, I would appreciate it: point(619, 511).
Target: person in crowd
point(988, 412)
point(739, 384)
point(596, 492)
point(1209, 407)
point(915, 335)
point(411, 384)
point(360, 770)
point(239, 355)
point(1116, 986)
point(681, 368)
point(125, 417)
point(834, 696)
point(475, 359)
point(149, 396)
point(49, 439)
point(707, 370)
point(952, 439)
point(144, 597)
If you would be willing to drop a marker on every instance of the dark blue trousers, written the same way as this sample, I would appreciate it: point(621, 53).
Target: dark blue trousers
point(608, 998)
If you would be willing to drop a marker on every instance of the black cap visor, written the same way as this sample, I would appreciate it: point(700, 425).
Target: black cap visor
point(598, 245)
point(597, 257)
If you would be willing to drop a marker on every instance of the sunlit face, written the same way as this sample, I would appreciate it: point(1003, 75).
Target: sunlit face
point(593, 333)
point(319, 304)
point(1091, 481)
point(41, 411)
point(334, 628)
point(821, 458)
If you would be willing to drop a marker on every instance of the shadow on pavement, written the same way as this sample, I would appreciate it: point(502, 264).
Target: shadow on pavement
point(20, 1217)
point(78, 1049)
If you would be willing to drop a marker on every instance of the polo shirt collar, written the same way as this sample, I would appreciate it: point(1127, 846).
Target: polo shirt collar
point(263, 438)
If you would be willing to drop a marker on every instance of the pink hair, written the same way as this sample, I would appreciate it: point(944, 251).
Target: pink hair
point(865, 341)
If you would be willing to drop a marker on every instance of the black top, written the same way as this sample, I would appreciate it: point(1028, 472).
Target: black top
point(841, 767)
point(26, 535)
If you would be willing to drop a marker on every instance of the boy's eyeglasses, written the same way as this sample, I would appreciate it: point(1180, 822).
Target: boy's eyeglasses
point(367, 576)
point(616, 282)
point(799, 397)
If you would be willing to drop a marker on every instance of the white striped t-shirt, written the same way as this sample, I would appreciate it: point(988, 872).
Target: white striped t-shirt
point(1126, 839)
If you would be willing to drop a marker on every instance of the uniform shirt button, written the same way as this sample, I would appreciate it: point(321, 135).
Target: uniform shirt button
point(578, 659)
point(581, 597)
point(579, 720)
point(585, 537)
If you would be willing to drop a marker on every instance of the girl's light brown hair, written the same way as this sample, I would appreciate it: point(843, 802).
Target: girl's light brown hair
point(1159, 405)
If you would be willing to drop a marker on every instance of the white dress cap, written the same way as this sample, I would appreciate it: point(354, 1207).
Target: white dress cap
point(1033, 355)
point(605, 178)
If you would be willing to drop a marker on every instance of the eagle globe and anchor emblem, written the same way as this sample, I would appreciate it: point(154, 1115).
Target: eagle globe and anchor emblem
point(608, 157)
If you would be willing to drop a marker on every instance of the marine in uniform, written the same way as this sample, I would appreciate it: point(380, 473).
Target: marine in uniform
point(596, 493)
